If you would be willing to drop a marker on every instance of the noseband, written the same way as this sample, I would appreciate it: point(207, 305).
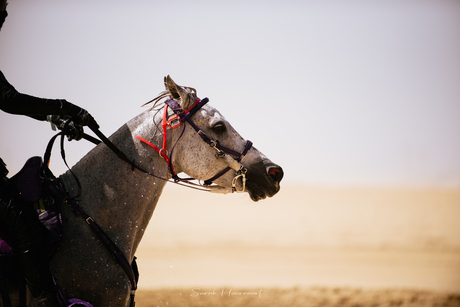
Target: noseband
point(179, 119)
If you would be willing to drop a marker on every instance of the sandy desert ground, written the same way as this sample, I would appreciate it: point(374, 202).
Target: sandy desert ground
point(298, 297)
point(306, 246)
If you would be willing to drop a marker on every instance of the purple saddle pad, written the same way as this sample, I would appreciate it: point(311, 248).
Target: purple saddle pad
point(6, 243)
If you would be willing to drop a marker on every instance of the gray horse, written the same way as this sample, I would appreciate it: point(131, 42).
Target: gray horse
point(122, 200)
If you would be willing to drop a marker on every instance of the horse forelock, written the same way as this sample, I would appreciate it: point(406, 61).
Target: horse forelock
point(191, 96)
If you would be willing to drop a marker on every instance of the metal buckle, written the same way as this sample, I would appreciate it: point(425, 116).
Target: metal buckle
point(174, 122)
point(220, 153)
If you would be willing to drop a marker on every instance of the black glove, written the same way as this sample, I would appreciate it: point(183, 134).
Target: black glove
point(72, 130)
point(80, 116)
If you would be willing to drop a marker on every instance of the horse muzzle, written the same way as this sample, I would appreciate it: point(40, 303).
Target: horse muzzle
point(263, 179)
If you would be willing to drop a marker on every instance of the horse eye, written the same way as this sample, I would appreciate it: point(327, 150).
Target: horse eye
point(219, 128)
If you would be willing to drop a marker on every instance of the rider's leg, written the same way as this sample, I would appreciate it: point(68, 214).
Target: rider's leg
point(21, 220)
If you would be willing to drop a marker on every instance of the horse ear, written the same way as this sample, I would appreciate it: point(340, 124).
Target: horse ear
point(177, 92)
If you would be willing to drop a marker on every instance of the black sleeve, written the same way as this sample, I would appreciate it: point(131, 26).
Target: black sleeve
point(3, 15)
point(11, 101)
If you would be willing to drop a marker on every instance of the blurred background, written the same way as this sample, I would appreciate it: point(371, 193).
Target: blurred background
point(358, 101)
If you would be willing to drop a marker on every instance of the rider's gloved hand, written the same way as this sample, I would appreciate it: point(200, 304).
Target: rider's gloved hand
point(72, 130)
point(80, 116)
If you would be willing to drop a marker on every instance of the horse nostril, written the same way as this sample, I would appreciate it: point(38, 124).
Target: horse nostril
point(275, 173)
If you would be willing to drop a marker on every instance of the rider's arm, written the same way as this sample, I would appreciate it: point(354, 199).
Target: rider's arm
point(3, 12)
point(11, 101)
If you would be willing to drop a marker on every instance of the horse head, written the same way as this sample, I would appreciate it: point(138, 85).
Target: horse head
point(217, 153)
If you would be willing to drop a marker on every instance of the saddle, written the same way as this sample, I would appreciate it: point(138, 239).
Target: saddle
point(34, 184)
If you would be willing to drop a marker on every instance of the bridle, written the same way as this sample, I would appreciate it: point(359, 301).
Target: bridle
point(182, 117)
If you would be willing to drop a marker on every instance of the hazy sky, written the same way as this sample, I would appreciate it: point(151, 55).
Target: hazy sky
point(336, 92)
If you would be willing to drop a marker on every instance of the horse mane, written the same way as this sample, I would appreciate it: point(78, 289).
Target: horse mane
point(191, 95)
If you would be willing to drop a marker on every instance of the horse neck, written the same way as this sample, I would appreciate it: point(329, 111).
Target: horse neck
point(119, 199)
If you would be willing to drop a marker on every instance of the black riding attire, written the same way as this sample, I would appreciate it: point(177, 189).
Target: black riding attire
point(18, 217)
